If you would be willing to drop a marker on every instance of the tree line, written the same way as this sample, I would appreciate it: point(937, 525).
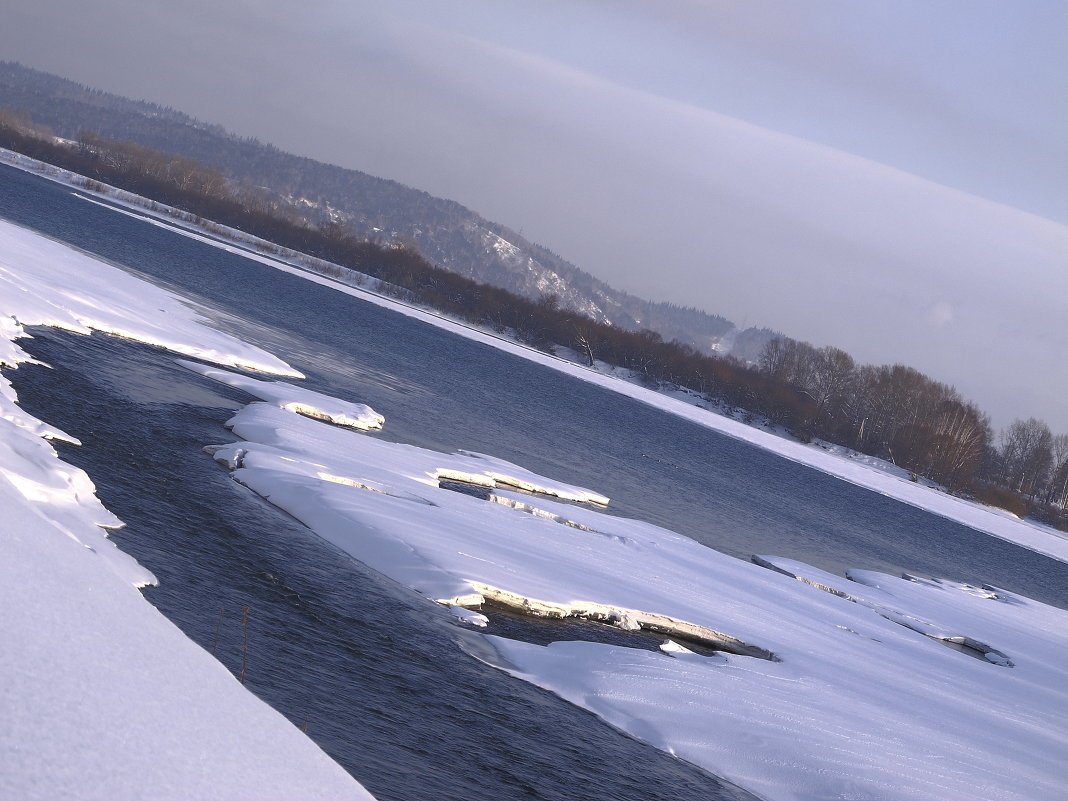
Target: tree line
point(899, 413)
point(892, 411)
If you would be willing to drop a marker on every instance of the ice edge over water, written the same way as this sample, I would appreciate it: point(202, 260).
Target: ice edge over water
point(632, 619)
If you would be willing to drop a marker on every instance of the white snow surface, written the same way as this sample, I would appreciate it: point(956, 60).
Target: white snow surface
point(860, 701)
point(101, 696)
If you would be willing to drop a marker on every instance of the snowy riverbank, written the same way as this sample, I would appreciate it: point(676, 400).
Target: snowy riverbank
point(103, 697)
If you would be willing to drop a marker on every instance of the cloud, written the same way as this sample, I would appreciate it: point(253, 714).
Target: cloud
point(940, 314)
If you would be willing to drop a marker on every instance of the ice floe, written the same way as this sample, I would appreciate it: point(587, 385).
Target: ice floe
point(296, 399)
point(827, 687)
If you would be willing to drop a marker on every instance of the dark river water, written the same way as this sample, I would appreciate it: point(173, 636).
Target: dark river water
point(379, 675)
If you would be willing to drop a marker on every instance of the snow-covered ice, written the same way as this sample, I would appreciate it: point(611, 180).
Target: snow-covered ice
point(43, 282)
point(296, 399)
point(101, 696)
point(823, 688)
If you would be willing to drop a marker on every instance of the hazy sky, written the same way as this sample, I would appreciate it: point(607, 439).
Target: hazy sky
point(886, 176)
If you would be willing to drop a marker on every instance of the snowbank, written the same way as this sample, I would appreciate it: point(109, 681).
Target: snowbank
point(101, 696)
point(823, 688)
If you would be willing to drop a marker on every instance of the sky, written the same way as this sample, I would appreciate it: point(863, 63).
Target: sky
point(885, 176)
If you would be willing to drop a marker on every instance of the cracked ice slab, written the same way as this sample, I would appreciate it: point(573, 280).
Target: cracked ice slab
point(297, 399)
point(858, 706)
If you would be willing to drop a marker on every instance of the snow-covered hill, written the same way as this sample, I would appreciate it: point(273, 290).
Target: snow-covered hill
point(444, 231)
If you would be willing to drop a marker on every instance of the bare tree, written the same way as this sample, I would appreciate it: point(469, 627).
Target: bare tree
point(1026, 452)
point(959, 439)
point(1057, 491)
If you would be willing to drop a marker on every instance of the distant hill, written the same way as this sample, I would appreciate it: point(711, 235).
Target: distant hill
point(445, 232)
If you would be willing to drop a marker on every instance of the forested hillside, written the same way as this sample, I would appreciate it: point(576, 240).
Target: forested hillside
point(443, 231)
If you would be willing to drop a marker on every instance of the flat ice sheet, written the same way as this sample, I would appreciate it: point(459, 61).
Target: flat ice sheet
point(43, 282)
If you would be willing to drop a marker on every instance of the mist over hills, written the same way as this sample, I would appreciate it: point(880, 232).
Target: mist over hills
point(445, 232)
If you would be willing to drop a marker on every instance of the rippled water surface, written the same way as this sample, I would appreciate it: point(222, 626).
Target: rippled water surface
point(378, 674)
